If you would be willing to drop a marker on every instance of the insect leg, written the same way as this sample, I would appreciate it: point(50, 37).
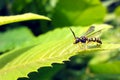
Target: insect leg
point(84, 46)
point(79, 45)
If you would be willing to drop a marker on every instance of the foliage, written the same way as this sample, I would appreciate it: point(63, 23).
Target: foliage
point(61, 12)
point(15, 38)
point(18, 18)
point(52, 55)
point(117, 11)
point(78, 15)
point(30, 59)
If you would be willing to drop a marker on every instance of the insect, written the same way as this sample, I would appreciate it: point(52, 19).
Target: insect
point(85, 38)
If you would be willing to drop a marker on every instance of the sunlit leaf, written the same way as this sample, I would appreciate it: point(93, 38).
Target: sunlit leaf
point(54, 47)
point(18, 18)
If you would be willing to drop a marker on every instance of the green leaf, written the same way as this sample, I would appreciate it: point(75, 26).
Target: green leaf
point(56, 49)
point(15, 38)
point(18, 18)
point(106, 68)
point(78, 12)
point(106, 62)
point(117, 11)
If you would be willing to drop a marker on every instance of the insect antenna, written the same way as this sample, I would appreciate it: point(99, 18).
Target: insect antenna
point(73, 33)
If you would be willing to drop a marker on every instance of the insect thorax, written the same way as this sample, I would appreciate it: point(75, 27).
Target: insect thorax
point(83, 39)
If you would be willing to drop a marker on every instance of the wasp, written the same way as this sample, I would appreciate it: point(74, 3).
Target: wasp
point(85, 38)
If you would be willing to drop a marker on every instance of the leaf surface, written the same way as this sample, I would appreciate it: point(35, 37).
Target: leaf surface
point(78, 12)
point(15, 38)
point(18, 18)
point(56, 49)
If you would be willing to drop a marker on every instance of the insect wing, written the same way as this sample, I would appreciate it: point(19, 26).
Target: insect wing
point(98, 30)
point(90, 30)
point(95, 34)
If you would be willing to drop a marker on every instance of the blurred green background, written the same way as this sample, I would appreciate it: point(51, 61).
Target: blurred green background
point(63, 13)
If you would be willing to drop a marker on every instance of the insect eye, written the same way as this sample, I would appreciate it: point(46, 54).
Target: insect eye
point(77, 40)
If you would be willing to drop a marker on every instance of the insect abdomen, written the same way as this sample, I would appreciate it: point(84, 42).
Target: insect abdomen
point(99, 41)
point(94, 40)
